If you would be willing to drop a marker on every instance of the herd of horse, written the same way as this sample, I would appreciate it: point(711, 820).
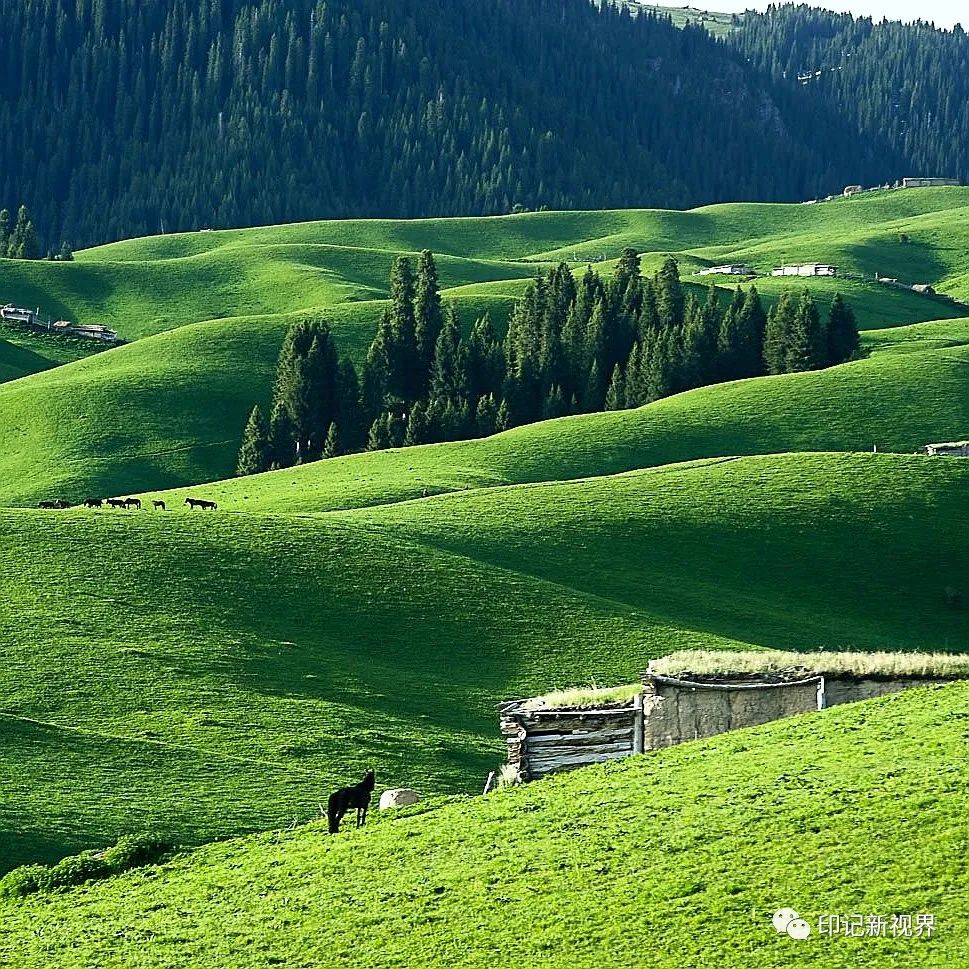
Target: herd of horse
point(127, 503)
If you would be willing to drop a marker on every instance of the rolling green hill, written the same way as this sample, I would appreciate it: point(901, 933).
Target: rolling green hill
point(145, 286)
point(213, 674)
point(165, 412)
point(673, 858)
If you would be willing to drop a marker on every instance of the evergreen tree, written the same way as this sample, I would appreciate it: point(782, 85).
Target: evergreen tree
point(377, 369)
point(379, 438)
point(486, 416)
point(842, 332)
point(254, 454)
point(807, 342)
point(670, 300)
point(554, 405)
point(66, 253)
point(616, 394)
point(405, 373)
point(778, 333)
point(428, 314)
point(4, 231)
point(503, 419)
point(484, 360)
point(448, 381)
point(418, 426)
point(332, 447)
point(282, 437)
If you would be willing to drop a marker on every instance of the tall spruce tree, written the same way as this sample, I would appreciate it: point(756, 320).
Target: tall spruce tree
point(428, 314)
point(842, 331)
point(255, 454)
point(807, 342)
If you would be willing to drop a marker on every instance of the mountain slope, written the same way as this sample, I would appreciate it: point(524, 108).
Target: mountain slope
point(664, 859)
point(246, 112)
point(214, 674)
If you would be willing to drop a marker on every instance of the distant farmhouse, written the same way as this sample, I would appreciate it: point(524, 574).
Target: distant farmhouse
point(93, 331)
point(728, 271)
point(953, 449)
point(809, 269)
point(30, 318)
point(17, 314)
point(929, 182)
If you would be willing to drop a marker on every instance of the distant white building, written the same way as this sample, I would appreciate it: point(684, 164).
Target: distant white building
point(953, 449)
point(929, 182)
point(853, 190)
point(733, 270)
point(808, 269)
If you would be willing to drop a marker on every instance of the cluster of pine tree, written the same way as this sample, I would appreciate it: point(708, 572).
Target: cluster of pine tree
point(21, 242)
point(570, 347)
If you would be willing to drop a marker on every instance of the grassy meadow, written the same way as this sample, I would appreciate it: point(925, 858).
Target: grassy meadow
point(206, 312)
point(220, 671)
point(674, 858)
point(214, 675)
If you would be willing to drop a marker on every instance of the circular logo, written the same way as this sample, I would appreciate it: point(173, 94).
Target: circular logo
point(783, 917)
point(798, 929)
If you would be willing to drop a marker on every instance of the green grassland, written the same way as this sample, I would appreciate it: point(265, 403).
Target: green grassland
point(675, 858)
point(209, 675)
point(217, 672)
point(211, 308)
point(897, 402)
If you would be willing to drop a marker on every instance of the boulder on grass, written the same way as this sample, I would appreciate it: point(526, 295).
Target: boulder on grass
point(398, 797)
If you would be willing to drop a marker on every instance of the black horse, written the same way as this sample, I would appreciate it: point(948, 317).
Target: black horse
point(158, 505)
point(93, 502)
point(133, 503)
point(357, 797)
point(194, 503)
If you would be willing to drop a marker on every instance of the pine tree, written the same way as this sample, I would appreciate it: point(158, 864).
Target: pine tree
point(282, 437)
point(405, 373)
point(503, 419)
point(378, 438)
point(486, 416)
point(428, 314)
point(332, 447)
point(377, 370)
point(448, 381)
point(842, 331)
point(4, 231)
point(66, 253)
point(778, 333)
point(254, 454)
point(670, 300)
point(616, 394)
point(418, 426)
point(554, 404)
point(807, 342)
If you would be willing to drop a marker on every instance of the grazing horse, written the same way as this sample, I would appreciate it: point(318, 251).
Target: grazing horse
point(132, 503)
point(117, 503)
point(93, 502)
point(357, 797)
point(158, 505)
point(53, 503)
point(194, 503)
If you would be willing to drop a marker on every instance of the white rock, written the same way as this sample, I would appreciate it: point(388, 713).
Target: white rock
point(398, 797)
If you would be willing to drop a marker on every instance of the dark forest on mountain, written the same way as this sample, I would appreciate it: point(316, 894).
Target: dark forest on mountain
point(123, 117)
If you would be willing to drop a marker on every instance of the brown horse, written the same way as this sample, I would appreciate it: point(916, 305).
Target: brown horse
point(158, 505)
point(358, 796)
point(133, 503)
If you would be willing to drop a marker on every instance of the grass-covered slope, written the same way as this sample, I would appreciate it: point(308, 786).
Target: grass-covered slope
point(897, 402)
point(670, 859)
point(145, 286)
point(214, 674)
